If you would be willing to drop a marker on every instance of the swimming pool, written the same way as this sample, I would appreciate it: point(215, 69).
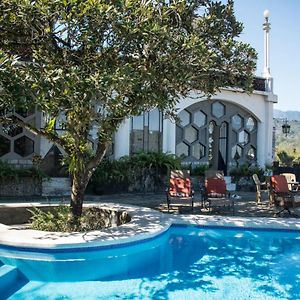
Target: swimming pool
point(185, 262)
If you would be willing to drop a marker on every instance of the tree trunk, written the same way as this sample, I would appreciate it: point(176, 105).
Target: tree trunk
point(79, 185)
point(81, 178)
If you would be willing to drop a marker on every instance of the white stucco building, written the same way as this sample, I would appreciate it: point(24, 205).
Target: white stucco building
point(232, 127)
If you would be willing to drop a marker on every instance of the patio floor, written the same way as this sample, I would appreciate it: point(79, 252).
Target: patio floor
point(245, 206)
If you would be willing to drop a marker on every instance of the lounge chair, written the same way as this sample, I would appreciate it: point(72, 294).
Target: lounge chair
point(292, 181)
point(214, 174)
point(180, 189)
point(216, 195)
point(281, 194)
point(260, 187)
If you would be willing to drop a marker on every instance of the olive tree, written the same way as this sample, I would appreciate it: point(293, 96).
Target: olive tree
point(99, 62)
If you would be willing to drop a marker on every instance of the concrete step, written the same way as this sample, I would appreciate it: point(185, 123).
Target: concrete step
point(8, 277)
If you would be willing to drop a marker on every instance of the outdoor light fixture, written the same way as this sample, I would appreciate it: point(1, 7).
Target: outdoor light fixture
point(266, 14)
point(266, 28)
point(286, 128)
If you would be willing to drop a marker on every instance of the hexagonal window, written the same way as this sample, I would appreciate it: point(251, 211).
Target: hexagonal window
point(24, 146)
point(236, 152)
point(236, 122)
point(218, 109)
point(251, 153)
point(199, 118)
point(179, 134)
point(182, 149)
point(4, 145)
point(190, 134)
point(198, 151)
point(250, 124)
point(244, 137)
point(12, 129)
point(185, 118)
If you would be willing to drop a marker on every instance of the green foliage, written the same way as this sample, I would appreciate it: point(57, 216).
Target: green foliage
point(285, 159)
point(246, 170)
point(162, 162)
point(100, 62)
point(117, 175)
point(55, 220)
point(9, 172)
point(58, 219)
point(198, 170)
point(290, 143)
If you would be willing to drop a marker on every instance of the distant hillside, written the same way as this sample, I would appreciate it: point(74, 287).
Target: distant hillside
point(291, 115)
point(291, 142)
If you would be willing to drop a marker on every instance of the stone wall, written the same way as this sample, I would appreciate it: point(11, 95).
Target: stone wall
point(28, 187)
point(56, 186)
point(21, 187)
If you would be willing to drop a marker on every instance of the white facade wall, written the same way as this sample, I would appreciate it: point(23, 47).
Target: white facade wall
point(122, 140)
point(259, 104)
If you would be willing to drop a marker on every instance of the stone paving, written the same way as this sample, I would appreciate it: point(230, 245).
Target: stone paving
point(245, 206)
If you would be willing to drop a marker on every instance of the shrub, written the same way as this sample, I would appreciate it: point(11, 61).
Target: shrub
point(133, 171)
point(198, 170)
point(285, 158)
point(246, 170)
point(9, 172)
point(58, 219)
point(52, 220)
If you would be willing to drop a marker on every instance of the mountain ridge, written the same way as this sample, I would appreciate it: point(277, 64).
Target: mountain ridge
point(290, 115)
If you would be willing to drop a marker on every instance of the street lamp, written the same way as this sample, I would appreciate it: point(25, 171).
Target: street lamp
point(266, 28)
point(286, 128)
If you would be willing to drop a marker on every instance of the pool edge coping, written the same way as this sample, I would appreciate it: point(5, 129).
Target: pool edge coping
point(146, 223)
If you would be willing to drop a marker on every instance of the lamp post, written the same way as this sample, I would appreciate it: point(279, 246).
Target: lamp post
point(266, 28)
point(286, 128)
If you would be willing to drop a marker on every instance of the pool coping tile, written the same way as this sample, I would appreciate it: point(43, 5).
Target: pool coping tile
point(145, 223)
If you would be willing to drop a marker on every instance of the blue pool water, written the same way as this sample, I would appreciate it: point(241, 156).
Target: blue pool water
point(186, 262)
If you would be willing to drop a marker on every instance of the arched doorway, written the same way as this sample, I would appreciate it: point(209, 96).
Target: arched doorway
point(217, 133)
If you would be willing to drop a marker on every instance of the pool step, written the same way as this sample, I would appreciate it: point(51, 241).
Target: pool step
point(8, 277)
point(11, 279)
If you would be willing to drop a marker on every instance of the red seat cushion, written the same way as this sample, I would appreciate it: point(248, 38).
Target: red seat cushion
point(215, 187)
point(180, 187)
point(279, 184)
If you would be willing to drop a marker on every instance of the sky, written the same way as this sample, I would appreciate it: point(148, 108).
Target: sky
point(284, 44)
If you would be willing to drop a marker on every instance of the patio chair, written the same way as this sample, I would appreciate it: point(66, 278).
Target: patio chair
point(214, 174)
point(216, 195)
point(260, 187)
point(282, 196)
point(292, 182)
point(180, 189)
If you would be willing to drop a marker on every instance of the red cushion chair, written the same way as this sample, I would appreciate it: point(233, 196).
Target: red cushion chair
point(215, 193)
point(281, 193)
point(180, 189)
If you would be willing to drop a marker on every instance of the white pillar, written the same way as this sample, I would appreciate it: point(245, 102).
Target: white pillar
point(265, 137)
point(122, 140)
point(261, 144)
point(169, 136)
point(269, 133)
